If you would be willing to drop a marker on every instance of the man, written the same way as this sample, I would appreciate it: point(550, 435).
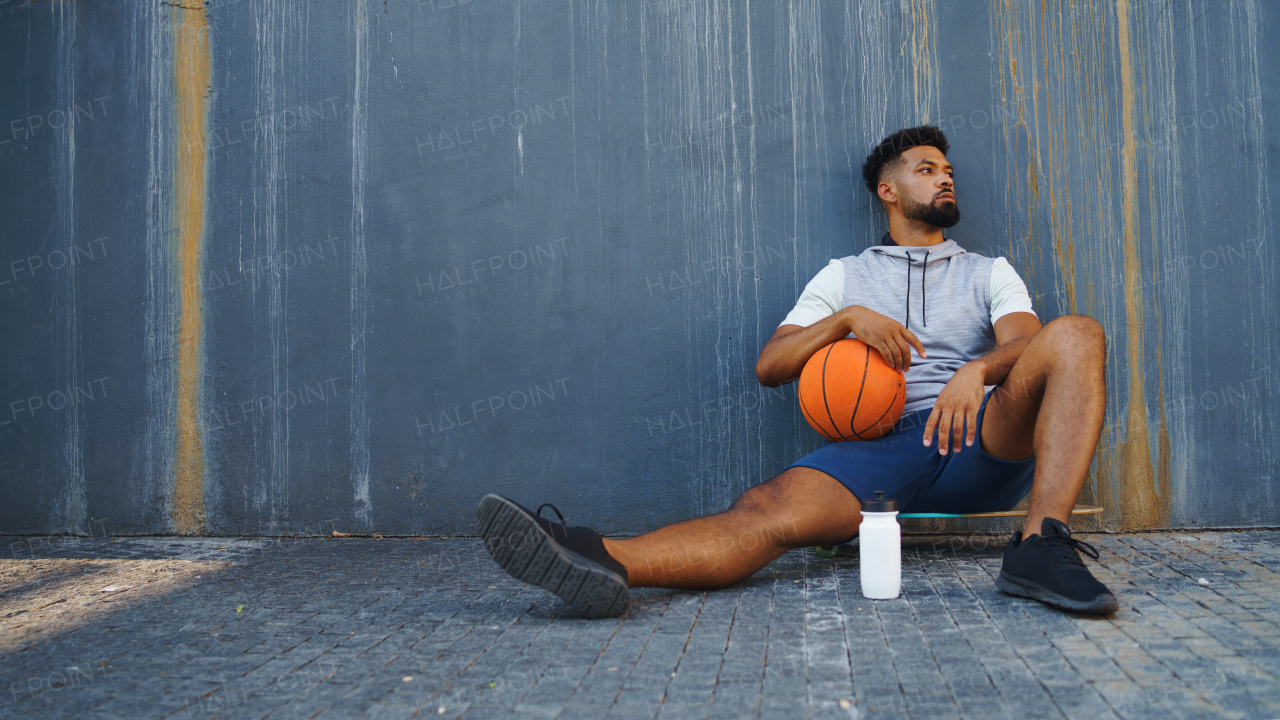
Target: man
point(956, 323)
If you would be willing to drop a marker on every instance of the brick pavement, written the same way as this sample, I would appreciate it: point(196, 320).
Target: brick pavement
point(396, 628)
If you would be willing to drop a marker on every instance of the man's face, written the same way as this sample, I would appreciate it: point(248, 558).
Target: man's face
point(925, 188)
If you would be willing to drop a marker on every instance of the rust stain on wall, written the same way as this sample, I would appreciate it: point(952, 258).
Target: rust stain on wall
point(923, 78)
point(1164, 447)
point(1140, 504)
point(1013, 92)
point(1055, 62)
point(191, 78)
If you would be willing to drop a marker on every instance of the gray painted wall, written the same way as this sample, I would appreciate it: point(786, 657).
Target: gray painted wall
point(455, 247)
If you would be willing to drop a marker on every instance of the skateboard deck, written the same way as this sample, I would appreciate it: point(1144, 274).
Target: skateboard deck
point(830, 551)
point(1016, 512)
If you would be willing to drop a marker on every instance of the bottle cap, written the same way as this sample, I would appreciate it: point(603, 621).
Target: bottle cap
point(880, 504)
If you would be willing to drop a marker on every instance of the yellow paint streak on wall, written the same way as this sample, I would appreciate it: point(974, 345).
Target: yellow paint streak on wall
point(1010, 21)
point(1058, 146)
point(922, 56)
point(1164, 456)
point(1140, 506)
point(1055, 65)
point(191, 79)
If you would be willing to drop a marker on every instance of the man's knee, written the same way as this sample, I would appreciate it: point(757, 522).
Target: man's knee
point(773, 511)
point(760, 499)
point(1076, 336)
point(752, 513)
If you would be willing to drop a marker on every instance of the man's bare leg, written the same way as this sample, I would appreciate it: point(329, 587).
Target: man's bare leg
point(799, 508)
point(1051, 405)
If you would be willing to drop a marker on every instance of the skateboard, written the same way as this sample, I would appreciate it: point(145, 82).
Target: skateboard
point(829, 551)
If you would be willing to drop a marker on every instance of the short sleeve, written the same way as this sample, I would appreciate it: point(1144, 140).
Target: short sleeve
point(822, 297)
point(1008, 292)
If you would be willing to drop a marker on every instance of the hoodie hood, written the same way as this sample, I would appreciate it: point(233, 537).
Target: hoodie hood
point(941, 251)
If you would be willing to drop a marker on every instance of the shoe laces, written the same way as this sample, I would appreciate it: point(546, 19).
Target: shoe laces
point(1064, 547)
point(564, 526)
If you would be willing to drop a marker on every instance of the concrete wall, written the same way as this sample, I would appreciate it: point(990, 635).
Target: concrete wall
point(280, 267)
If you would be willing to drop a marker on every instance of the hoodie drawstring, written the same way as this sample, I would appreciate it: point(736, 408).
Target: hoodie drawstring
point(924, 289)
point(908, 323)
point(924, 296)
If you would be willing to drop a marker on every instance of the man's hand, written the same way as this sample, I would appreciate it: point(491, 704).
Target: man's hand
point(961, 399)
point(957, 405)
point(791, 346)
point(886, 335)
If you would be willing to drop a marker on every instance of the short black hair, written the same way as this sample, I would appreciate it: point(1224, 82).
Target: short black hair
point(889, 152)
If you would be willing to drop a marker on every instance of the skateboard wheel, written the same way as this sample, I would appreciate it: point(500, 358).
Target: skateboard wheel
point(826, 552)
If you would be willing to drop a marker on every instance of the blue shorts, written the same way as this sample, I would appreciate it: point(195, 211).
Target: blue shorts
point(920, 478)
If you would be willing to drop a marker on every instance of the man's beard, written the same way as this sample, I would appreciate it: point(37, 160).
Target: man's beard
point(939, 215)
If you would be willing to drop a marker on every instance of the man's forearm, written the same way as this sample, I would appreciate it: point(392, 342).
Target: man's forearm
point(784, 357)
point(786, 353)
point(995, 365)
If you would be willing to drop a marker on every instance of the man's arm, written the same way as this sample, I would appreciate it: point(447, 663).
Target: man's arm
point(961, 399)
point(791, 346)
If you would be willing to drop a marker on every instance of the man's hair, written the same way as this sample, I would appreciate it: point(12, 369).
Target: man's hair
point(888, 154)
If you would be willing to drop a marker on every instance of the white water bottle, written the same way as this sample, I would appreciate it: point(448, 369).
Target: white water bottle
point(880, 548)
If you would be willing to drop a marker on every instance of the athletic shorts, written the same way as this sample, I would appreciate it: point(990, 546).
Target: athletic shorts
point(920, 478)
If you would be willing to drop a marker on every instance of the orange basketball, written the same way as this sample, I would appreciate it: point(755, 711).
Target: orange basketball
point(848, 392)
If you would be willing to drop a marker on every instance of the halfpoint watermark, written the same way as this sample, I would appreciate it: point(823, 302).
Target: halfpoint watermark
point(439, 421)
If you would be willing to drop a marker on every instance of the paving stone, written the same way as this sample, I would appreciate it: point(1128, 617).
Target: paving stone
point(330, 628)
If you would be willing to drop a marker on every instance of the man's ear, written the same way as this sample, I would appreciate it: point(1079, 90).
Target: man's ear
point(887, 192)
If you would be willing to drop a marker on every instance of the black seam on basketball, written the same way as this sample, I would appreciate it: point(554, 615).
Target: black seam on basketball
point(834, 424)
point(817, 425)
point(877, 422)
point(805, 411)
point(866, 365)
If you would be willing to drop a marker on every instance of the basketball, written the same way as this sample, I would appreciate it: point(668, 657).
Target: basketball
point(848, 392)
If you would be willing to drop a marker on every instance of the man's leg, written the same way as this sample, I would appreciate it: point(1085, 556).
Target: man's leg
point(798, 508)
point(1051, 405)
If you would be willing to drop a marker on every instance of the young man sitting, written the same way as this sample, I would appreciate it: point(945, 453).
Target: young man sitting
point(957, 323)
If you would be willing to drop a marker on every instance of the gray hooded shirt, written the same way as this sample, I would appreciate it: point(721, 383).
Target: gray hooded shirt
point(941, 293)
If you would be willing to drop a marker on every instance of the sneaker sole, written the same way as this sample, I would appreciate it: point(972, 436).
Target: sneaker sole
point(1104, 604)
point(527, 553)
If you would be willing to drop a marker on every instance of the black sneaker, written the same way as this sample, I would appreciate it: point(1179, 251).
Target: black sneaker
point(569, 561)
point(1047, 568)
